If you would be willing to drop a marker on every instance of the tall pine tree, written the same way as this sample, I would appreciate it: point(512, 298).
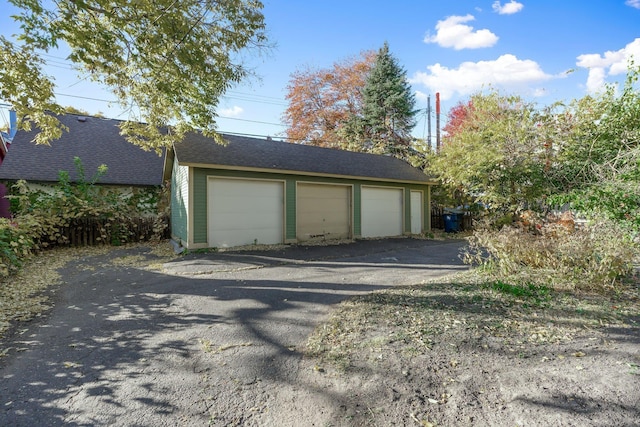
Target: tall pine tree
point(389, 105)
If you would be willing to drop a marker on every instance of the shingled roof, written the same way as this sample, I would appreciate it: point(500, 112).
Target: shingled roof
point(95, 141)
point(253, 154)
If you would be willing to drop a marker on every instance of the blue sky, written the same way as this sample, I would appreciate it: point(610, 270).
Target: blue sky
point(544, 50)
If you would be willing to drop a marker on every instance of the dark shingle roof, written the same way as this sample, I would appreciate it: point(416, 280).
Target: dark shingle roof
point(95, 141)
point(244, 153)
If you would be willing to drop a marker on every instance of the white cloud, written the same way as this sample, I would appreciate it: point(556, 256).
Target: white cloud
point(510, 8)
point(633, 3)
point(452, 32)
point(506, 72)
point(234, 111)
point(611, 63)
point(596, 79)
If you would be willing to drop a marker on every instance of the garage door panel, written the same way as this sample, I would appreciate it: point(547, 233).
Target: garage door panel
point(323, 211)
point(243, 212)
point(381, 211)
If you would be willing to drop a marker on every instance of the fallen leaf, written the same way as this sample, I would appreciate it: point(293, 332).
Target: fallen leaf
point(71, 365)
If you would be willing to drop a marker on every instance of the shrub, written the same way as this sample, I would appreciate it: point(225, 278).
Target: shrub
point(595, 257)
point(43, 218)
point(15, 245)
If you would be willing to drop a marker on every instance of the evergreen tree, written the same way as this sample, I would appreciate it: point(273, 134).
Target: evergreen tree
point(389, 104)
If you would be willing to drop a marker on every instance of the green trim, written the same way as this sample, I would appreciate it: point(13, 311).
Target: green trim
point(199, 205)
point(298, 174)
point(199, 199)
point(290, 210)
point(357, 211)
point(427, 210)
point(407, 210)
point(179, 221)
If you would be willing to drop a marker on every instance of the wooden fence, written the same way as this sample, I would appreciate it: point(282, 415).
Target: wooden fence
point(97, 231)
point(437, 219)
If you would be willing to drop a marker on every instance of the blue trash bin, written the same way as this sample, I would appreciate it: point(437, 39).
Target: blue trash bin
point(451, 223)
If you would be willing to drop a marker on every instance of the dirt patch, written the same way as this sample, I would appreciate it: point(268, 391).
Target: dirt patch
point(460, 352)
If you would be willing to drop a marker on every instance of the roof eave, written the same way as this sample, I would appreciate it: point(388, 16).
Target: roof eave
point(303, 173)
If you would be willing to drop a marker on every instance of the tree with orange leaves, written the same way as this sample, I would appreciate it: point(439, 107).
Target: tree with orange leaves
point(321, 100)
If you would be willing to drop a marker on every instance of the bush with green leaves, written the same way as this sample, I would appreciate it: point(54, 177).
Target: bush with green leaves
point(15, 245)
point(583, 155)
point(597, 257)
point(41, 217)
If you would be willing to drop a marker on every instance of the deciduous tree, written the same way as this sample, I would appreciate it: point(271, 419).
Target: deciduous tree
point(321, 100)
point(597, 153)
point(507, 153)
point(457, 119)
point(167, 61)
point(495, 155)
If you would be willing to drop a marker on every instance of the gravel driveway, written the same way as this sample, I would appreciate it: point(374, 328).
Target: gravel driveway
point(207, 339)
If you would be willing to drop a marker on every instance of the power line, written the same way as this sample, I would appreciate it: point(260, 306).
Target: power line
point(83, 97)
point(221, 117)
point(255, 94)
point(55, 57)
point(282, 103)
point(254, 135)
point(66, 64)
point(252, 121)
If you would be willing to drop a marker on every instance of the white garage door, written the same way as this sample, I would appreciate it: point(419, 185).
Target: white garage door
point(416, 212)
point(245, 212)
point(323, 211)
point(381, 211)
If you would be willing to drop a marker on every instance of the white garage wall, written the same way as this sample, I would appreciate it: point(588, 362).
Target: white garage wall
point(381, 211)
point(244, 212)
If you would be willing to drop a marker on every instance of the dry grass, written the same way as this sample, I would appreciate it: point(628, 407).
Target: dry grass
point(595, 257)
point(468, 304)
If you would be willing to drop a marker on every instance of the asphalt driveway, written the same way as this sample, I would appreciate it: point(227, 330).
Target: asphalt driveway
point(205, 339)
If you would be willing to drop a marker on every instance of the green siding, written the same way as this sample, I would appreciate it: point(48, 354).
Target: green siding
point(407, 210)
point(427, 210)
point(200, 198)
point(199, 206)
point(179, 201)
point(290, 212)
point(357, 212)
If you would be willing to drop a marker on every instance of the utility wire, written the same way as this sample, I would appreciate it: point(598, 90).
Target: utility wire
point(65, 64)
point(222, 117)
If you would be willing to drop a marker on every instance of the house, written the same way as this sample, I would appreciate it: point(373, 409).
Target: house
point(95, 141)
point(257, 191)
point(7, 137)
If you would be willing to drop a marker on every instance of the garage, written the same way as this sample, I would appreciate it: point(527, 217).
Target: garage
point(382, 209)
point(244, 212)
point(261, 191)
point(416, 212)
point(323, 211)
